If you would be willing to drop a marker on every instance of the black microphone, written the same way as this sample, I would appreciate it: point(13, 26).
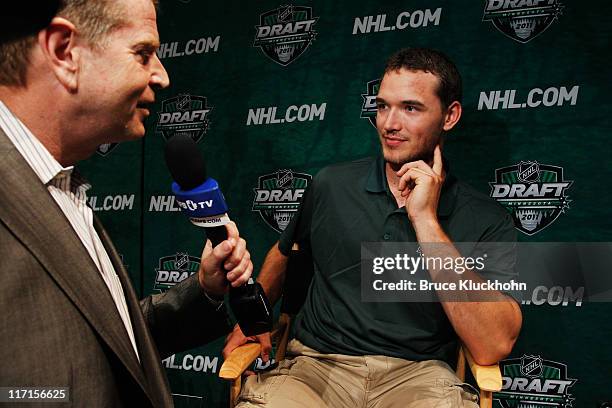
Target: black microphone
point(200, 198)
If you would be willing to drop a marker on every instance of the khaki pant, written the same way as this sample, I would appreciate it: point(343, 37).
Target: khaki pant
point(308, 379)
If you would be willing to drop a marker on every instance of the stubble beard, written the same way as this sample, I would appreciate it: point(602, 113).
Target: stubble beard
point(396, 160)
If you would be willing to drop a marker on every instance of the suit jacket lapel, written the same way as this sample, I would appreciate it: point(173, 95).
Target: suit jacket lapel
point(27, 208)
point(149, 356)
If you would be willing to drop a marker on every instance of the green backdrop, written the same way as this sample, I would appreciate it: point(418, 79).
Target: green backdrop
point(231, 95)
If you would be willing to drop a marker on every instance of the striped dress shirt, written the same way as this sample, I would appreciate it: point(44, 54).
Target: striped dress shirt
point(69, 190)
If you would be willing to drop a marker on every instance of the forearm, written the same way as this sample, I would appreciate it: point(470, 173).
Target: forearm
point(272, 274)
point(488, 328)
point(182, 318)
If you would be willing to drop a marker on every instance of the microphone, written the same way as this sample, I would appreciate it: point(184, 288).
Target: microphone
point(200, 198)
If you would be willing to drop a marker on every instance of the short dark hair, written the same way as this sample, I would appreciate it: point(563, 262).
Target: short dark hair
point(435, 62)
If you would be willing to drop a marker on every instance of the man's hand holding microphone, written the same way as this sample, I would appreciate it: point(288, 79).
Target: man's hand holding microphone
point(230, 255)
point(226, 263)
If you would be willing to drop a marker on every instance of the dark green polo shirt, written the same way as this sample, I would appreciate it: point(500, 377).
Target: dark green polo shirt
point(351, 203)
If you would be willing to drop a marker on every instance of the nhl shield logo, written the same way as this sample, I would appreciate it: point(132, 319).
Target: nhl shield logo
point(531, 366)
point(533, 193)
point(368, 107)
point(186, 114)
point(529, 172)
point(284, 33)
point(278, 196)
point(531, 381)
point(106, 148)
point(522, 20)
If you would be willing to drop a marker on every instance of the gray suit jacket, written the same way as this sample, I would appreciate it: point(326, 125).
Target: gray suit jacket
point(58, 323)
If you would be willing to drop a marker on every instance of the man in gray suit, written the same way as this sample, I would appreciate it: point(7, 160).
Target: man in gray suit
point(70, 317)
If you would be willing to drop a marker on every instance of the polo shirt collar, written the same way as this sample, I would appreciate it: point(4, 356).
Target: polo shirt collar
point(377, 179)
point(376, 182)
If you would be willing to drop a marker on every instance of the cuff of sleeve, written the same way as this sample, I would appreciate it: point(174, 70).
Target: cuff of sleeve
point(217, 303)
point(285, 247)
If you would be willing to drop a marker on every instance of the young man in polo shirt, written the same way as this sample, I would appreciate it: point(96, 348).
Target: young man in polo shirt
point(349, 353)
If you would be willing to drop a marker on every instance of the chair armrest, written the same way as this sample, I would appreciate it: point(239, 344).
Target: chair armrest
point(243, 356)
point(488, 377)
point(239, 360)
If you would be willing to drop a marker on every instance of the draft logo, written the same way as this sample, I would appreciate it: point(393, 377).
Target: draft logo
point(533, 193)
point(284, 33)
point(368, 107)
point(186, 114)
point(174, 269)
point(278, 196)
point(522, 20)
point(531, 381)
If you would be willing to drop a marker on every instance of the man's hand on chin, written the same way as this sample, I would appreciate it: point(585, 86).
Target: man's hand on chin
point(421, 185)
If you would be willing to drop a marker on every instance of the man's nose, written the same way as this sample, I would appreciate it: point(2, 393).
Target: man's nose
point(392, 121)
point(159, 76)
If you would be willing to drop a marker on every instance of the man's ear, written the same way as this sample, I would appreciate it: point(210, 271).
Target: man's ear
point(57, 43)
point(452, 116)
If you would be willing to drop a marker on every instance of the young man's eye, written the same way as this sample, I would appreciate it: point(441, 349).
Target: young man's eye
point(409, 108)
point(381, 106)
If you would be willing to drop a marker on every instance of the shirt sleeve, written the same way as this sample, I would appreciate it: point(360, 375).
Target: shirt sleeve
point(499, 244)
point(298, 230)
point(182, 318)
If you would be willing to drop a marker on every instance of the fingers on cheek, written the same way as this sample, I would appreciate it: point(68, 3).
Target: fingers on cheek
point(403, 182)
point(406, 182)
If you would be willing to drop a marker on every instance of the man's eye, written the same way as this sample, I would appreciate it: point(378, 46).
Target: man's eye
point(409, 108)
point(381, 106)
point(144, 57)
